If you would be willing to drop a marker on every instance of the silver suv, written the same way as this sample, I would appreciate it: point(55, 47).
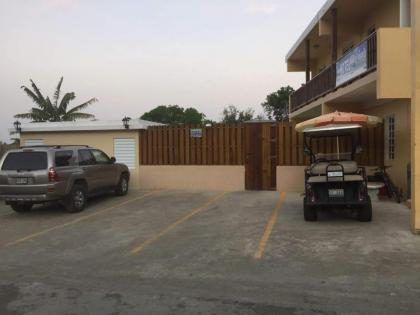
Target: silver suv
point(69, 174)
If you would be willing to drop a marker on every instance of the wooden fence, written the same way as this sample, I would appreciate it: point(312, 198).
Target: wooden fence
point(218, 145)
point(291, 144)
point(225, 144)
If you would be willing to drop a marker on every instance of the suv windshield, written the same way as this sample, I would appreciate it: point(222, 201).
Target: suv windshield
point(25, 161)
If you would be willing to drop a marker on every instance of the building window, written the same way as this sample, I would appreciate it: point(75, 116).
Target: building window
point(390, 137)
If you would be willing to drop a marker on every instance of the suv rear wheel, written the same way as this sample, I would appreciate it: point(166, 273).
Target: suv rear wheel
point(21, 207)
point(76, 200)
point(122, 187)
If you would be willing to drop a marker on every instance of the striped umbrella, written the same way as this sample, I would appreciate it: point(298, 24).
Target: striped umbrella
point(339, 119)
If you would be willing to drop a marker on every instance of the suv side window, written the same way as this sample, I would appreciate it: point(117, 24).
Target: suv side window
point(86, 157)
point(100, 157)
point(63, 158)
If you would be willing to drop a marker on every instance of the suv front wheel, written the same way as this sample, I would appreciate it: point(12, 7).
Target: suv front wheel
point(21, 207)
point(122, 187)
point(76, 200)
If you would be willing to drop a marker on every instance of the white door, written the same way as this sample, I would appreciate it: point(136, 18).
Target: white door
point(33, 142)
point(125, 152)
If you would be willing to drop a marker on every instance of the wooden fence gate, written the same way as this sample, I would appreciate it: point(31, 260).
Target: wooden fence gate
point(260, 156)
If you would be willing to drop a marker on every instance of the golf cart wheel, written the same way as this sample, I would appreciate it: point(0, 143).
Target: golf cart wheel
point(21, 207)
point(309, 212)
point(365, 214)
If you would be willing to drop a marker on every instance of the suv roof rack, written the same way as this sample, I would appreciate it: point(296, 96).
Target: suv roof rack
point(71, 145)
point(36, 146)
point(54, 146)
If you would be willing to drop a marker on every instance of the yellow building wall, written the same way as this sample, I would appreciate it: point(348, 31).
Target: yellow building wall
point(401, 111)
point(103, 140)
point(193, 177)
point(394, 63)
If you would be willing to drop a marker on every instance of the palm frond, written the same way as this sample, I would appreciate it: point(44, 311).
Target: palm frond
point(51, 110)
point(67, 98)
point(57, 92)
point(39, 115)
point(23, 116)
point(32, 95)
point(37, 91)
point(75, 116)
point(82, 106)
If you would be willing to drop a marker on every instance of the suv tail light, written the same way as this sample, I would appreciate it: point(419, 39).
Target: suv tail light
point(52, 175)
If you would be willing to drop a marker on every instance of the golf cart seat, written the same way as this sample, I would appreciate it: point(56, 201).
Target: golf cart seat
point(324, 179)
point(320, 168)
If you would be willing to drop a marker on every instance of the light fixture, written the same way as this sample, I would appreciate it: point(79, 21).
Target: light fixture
point(17, 125)
point(126, 122)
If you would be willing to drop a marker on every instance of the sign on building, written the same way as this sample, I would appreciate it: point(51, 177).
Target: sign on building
point(196, 133)
point(353, 64)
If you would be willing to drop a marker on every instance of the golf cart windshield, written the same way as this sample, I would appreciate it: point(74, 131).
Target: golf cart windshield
point(332, 143)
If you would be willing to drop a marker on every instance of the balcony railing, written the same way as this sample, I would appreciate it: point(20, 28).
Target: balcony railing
point(327, 81)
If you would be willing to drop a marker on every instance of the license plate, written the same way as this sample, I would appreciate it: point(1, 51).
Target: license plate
point(336, 193)
point(335, 174)
point(22, 181)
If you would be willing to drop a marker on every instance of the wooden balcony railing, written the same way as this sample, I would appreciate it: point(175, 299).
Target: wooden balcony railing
point(326, 81)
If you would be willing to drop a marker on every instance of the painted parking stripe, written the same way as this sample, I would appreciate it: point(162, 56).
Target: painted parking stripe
point(80, 219)
point(169, 228)
point(269, 227)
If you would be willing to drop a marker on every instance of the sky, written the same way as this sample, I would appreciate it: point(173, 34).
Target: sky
point(134, 55)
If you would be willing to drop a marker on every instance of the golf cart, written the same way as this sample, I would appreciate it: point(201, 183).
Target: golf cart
point(333, 179)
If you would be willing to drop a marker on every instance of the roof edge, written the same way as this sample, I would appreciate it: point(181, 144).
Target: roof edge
point(309, 28)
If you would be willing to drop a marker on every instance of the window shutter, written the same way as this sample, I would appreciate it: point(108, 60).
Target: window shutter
point(125, 152)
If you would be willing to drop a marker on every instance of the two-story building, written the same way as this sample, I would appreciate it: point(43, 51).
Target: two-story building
point(361, 56)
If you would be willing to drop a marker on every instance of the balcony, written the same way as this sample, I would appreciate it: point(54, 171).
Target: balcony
point(355, 64)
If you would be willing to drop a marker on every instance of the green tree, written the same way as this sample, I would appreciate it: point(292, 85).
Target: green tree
point(232, 114)
point(55, 110)
point(276, 105)
point(174, 114)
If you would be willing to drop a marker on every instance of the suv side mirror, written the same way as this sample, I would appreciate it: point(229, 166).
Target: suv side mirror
point(113, 160)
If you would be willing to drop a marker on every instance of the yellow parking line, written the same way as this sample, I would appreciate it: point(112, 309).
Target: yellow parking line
point(269, 228)
point(80, 219)
point(146, 243)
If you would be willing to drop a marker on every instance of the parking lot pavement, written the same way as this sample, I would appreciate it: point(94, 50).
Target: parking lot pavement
point(174, 252)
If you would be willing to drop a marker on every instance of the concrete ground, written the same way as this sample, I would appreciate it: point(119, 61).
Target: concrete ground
point(172, 252)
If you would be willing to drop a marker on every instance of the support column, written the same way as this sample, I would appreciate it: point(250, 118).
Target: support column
point(405, 13)
point(308, 60)
point(334, 35)
point(415, 116)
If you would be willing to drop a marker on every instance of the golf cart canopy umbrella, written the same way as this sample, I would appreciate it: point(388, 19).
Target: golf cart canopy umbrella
point(338, 120)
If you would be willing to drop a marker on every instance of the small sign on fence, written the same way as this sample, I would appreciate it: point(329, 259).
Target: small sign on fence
point(196, 133)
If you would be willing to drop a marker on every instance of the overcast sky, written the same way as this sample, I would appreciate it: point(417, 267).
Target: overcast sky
point(135, 55)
